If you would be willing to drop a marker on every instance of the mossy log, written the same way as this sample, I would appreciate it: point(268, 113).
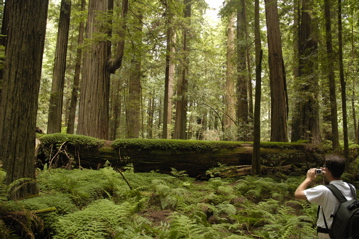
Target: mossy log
point(195, 157)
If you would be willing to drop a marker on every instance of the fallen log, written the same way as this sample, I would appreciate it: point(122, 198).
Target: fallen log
point(145, 155)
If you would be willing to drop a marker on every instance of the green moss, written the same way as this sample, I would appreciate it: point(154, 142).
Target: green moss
point(71, 139)
point(173, 144)
point(282, 145)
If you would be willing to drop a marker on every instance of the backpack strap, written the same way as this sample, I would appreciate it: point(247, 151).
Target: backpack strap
point(337, 193)
point(352, 189)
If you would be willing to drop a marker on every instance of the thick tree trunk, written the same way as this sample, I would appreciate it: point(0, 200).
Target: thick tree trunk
point(98, 65)
point(58, 80)
point(279, 101)
point(182, 85)
point(305, 122)
point(194, 157)
point(21, 82)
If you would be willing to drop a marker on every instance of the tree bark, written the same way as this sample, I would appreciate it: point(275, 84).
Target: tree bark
point(305, 122)
point(182, 85)
point(169, 74)
point(229, 100)
point(242, 91)
point(58, 80)
point(76, 84)
point(21, 82)
point(98, 65)
point(193, 157)
point(342, 82)
point(278, 88)
point(256, 164)
point(331, 76)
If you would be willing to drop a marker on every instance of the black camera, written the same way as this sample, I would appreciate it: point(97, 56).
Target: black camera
point(318, 171)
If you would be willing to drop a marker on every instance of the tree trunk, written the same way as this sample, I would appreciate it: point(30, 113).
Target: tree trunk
point(305, 122)
point(58, 80)
point(76, 84)
point(331, 76)
point(133, 114)
point(116, 107)
point(242, 97)
point(279, 100)
point(21, 83)
point(342, 82)
point(256, 164)
point(229, 100)
point(169, 74)
point(3, 40)
point(98, 65)
point(151, 112)
point(182, 85)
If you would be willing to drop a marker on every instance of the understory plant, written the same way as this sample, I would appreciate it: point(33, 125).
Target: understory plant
point(107, 204)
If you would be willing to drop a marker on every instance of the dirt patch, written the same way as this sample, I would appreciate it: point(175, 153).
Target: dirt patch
point(156, 216)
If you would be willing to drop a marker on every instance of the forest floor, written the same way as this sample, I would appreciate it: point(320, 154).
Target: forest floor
point(100, 204)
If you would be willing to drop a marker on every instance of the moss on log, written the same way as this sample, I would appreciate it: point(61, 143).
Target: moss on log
point(195, 157)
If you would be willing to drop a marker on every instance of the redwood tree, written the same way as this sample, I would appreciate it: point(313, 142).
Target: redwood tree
point(229, 99)
point(305, 122)
point(21, 82)
point(182, 85)
point(242, 91)
point(331, 76)
point(98, 65)
point(279, 100)
point(58, 80)
point(75, 88)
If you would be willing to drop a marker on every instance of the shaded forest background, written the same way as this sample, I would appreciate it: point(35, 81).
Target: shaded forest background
point(163, 47)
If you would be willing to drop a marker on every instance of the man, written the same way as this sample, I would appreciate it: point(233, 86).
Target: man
point(321, 195)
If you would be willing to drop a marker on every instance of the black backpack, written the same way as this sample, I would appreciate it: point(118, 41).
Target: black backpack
point(346, 218)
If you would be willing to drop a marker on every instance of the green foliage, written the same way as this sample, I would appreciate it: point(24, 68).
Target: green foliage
point(174, 145)
point(71, 139)
point(100, 204)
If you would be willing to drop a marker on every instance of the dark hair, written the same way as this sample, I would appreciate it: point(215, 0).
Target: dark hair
point(336, 164)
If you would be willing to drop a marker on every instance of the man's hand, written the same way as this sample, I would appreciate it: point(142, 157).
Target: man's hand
point(311, 175)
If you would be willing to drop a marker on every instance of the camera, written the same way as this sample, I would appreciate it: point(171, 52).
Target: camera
point(318, 171)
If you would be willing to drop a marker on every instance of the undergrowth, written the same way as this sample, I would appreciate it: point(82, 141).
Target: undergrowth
point(100, 204)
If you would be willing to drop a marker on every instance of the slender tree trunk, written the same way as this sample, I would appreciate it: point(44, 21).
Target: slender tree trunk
point(230, 100)
point(169, 74)
point(182, 85)
point(150, 118)
point(279, 100)
point(331, 77)
point(21, 83)
point(58, 80)
point(76, 83)
point(342, 82)
point(256, 165)
point(242, 91)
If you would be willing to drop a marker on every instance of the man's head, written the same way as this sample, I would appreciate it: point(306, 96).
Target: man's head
point(335, 164)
